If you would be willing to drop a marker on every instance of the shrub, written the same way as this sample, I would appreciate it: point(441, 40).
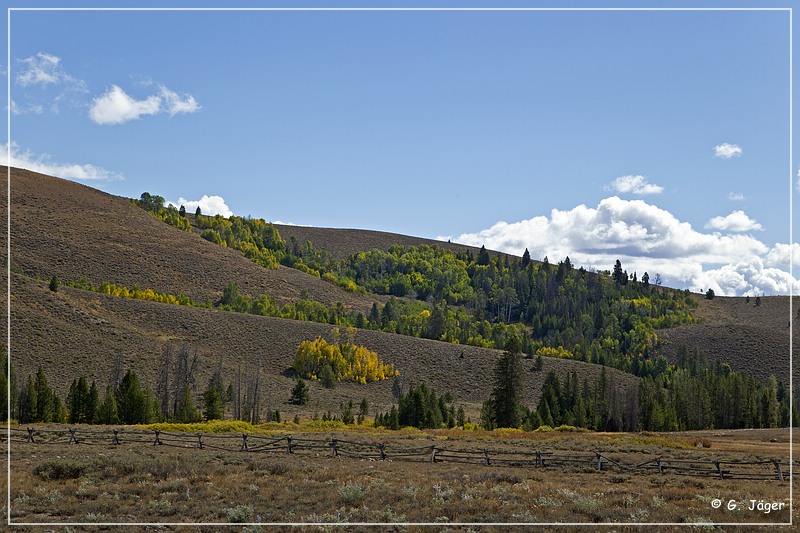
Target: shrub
point(60, 469)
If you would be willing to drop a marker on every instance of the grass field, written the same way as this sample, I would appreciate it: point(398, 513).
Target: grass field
point(133, 483)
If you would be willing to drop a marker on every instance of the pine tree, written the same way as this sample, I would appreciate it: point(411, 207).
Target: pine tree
point(186, 412)
point(107, 411)
point(300, 391)
point(508, 384)
point(212, 403)
point(46, 400)
point(130, 400)
point(526, 259)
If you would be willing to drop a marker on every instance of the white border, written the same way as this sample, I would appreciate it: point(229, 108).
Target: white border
point(402, 524)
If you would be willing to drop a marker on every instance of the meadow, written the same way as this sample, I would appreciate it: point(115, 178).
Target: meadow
point(138, 482)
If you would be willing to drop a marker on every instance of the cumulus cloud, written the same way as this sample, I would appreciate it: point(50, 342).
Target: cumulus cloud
point(727, 150)
point(209, 205)
point(116, 106)
point(736, 221)
point(782, 255)
point(635, 185)
point(735, 196)
point(44, 164)
point(645, 238)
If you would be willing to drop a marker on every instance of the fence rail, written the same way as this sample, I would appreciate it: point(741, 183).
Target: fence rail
point(762, 469)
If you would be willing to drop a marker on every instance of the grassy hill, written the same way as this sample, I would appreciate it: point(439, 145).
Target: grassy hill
point(750, 338)
point(72, 231)
point(69, 230)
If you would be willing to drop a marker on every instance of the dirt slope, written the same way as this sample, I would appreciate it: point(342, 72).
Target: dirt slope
point(69, 230)
point(750, 338)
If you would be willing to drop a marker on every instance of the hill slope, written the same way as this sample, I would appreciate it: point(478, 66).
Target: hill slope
point(69, 230)
point(74, 332)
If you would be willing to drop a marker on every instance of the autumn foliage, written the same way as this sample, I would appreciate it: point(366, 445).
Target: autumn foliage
point(348, 361)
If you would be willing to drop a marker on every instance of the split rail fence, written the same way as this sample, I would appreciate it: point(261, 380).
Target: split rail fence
point(766, 469)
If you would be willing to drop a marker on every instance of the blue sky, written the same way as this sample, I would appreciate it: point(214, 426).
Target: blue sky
point(657, 137)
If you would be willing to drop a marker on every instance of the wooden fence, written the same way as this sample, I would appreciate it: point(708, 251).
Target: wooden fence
point(766, 469)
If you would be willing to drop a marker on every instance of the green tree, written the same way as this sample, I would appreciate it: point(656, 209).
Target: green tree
point(710, 294)
point(132, 407)
point(526, 259)
point(187, 412)
point(46, 398)
point(182, 211)
point(508, 386)
point(327, 377)
point(54, 283)
point(212, 403)
point(107, 412)
point(77, 401)
point(300, 391)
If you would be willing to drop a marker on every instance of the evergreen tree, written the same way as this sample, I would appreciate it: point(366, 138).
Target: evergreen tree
point(526, 259)
point(92, 403)
point(187, 412)
point(131, 401)
point(182, 211)
point(483, 256)
point(212, 403)
point(107, 411)
point(197, 212)
point(46, 399)
point(508, 385)
point(300, 391)
point(54, 283)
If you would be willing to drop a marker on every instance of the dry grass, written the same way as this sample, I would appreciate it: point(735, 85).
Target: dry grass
point(141, 483)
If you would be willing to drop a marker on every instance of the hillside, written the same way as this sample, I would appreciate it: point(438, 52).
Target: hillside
point(69, 230)
point(73, 331)
point(750, 338)
point(72, 231)
point(340, 243)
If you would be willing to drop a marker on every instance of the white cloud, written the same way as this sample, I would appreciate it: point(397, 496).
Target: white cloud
point(175, 104)
point(797, 184)
point(636, 185)
point(735, 196)
point(727, 150)
point(17, 109)
point(43, 164)
point(117, 107)
point(292, 224)
point(42, 69)
point(781, 254)
point(209, 205)
point(645, 238)
point(736, 221)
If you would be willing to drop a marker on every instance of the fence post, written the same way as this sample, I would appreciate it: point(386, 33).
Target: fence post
point(30, 436)
point(335, 447)
point(658, 463)
point(158, 438)
point(288, 444)
point(433, 454)
point(486, 456)
point(539, 458)
point(72, 438)
point(719, 470)
point(200, 440)
point(115, 438)
point(244, 443)
point(778, 469)
point(599, 460)
point(382, 447)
